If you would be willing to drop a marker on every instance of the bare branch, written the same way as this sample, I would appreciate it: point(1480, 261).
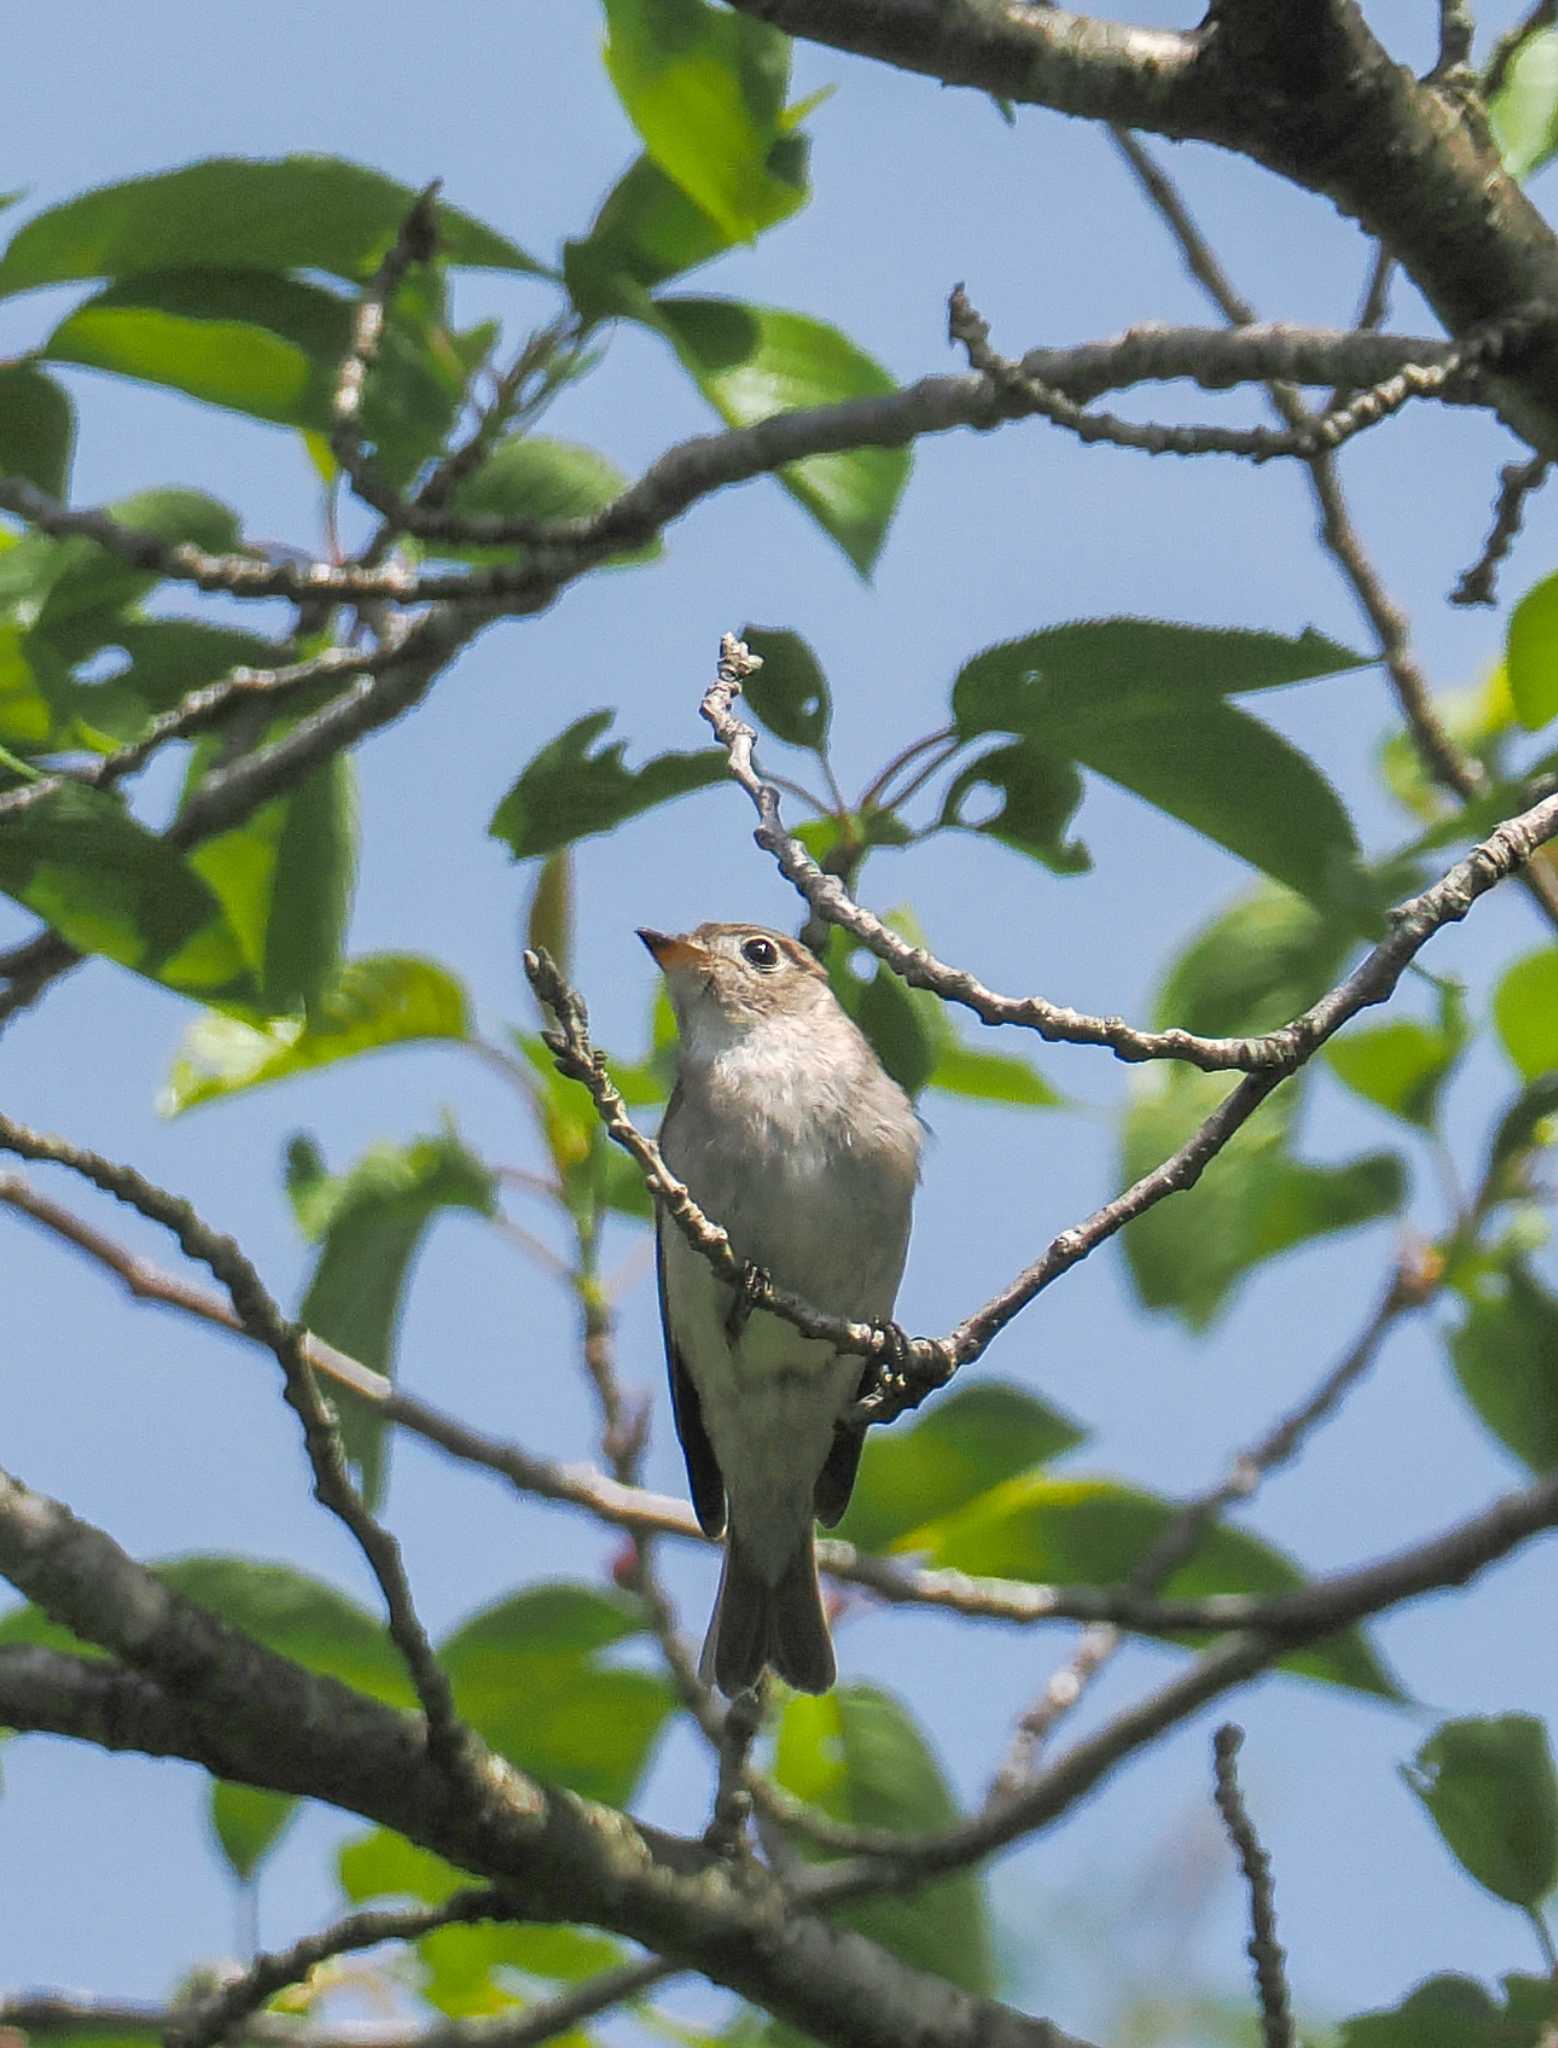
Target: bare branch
point(448, 1738)
point(1265, 1950)
point(1517, 481)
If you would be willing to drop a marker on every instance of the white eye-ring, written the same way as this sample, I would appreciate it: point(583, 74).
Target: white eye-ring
point(761, 953)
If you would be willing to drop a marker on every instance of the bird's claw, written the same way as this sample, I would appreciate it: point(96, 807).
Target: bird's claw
point(752, 1287)
point(893, 1358)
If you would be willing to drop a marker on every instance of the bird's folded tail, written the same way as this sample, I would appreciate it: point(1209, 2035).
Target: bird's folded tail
point(755, 1624)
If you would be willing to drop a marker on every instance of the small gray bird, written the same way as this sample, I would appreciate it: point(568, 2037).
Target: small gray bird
point(787, 1131)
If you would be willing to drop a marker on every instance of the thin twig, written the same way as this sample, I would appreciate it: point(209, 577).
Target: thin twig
point(214, 2018)
point(448, 1738)
point(726, 1833)
point(1265, 1951)
point(1517, 481)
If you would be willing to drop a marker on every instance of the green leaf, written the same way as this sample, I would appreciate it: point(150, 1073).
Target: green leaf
point(1505, 1353)
point(1490, 1789)
point(164, 660)
point(1254, 968)
point(385, 999)
point(1528, 1125)
point(1531, 657)
point(567, 792)
point(29, 690)
point(271, 346)
point(374, 1218)
point(1443, 2012)
point(857, 1754)
point(549, 924)
point(1402, 1067)
point(705, 90)
point(1525, 1011)
point(790, 692)
point(1253, 1201)
point(1143, 703)
point(751, 362)
point(1524, 110)
point(528, 1675)
point(1039, 797)
point(70, 590)
point(971, 1440)
point(285, 213)
point(37, 428)
point(992, 1077)
point(530, 476)
point(908, 1028)
point(248, 1821)
point(107, 885)
point(1094, 1532)
point(285, 878)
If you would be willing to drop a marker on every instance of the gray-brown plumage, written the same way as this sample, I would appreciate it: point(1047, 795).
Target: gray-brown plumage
point(787, 1131)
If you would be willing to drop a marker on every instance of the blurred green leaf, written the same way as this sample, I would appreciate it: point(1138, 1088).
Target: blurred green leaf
point(248, 1821)
point(992, 1077)
point(285, 878)
point(528, 1674)
point(790, 692)
point(1039, 797)
point(30, 690)
point(1531, 656)
point(1143, 703)
point(549, 923)
point(1478, 720)
point(529, 476)
point(1094, 1532)
point(1524, 110)
point(751, 362)
point(107, 885)
point(165, 659)
point(568, 792)
point(71, 590)
point(908, 1028)
point(1402, 1067)
point(857, 1754)
point(1443, 2012)
point(705, 90)
point(286, 213)
point(1505, 1353)
point(1490, 1789)
point(373, 1219)
point(1256, 966)
point(972, 1439)
point(1253, 1201)
point(385, 999)
point(37, 428)
point(1526, 1126)
point(1525, 1012)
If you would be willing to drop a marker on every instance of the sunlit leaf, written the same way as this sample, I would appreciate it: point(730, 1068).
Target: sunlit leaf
point(1403, 1066)
point(1525, 1010)
point(530, 476)
point(248, 1821)
point(983, 1076)
point(383, 1000)
point(1524, 110)
point(1254, 968)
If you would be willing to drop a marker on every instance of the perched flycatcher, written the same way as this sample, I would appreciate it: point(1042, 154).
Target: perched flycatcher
point(786, 1130)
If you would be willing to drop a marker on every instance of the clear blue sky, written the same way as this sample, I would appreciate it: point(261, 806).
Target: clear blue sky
point(175, 1440)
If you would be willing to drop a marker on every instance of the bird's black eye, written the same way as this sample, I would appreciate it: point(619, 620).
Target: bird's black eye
point(760, 953)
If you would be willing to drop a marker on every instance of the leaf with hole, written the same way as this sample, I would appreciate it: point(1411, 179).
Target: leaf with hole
point(568, 792)
point(790, 692)
point(1490, 1789)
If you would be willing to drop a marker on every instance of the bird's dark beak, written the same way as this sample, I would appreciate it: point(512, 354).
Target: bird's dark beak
point(670, 950)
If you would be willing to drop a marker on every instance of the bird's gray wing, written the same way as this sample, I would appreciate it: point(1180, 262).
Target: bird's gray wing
point(703, 1472)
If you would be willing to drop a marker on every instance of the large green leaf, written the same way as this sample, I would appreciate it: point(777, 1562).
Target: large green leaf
point(1144, 703)
point(1524, 110)
point(1525, 1010)
point(568, 792)
point(528, 1673)
point(1531, 657)
point(372, 1221)
point(271, 346)
point(1456, 2012)
point(1095, 1532)
point(383, 1000)
point(1505, 1353)
point(286, 213)
point(1490, 1788)
point(790, 691)
point(1256, 966)
point(971, 1440)
point(37, 428)
point(285, 878)
point(982, 1076)
point(1253, 1201)
point(857, 1754)
point(705, 90)
point(751, 362)
point(107, 885)
point(1403, 1066)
